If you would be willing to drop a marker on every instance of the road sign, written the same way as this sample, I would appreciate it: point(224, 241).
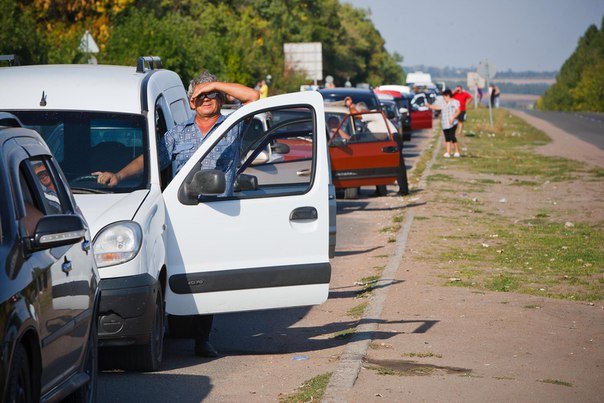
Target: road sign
point(87, 44)
point(306, 57)
point(475, 80)
point(487, 69)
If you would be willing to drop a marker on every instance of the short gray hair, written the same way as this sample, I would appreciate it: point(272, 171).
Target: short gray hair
point(204, 77)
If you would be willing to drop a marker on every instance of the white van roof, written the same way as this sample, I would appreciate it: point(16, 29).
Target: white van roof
point(419, 78)
point(75, 87)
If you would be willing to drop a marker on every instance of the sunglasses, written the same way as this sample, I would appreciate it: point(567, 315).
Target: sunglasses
point(43, 175)
point(209, 95)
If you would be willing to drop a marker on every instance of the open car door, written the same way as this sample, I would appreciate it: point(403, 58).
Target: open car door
point(421, 116)
point(267, 244)
point(363, 151)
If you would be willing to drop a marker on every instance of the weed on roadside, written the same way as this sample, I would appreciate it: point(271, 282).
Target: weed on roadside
point(358, 310)
point(556, 382)
point(311, 390)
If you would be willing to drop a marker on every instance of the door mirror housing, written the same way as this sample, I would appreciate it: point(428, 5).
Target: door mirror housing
point(206, 182)
point(338, 141)
point(280, 148)
point(58, 230)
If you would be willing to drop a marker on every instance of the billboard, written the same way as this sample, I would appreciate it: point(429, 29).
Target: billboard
point(305, 57)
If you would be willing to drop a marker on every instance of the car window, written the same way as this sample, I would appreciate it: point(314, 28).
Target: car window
point(369, 127)
point(180, 111)
point(276, 157)
point(44, 184)
point(85, 142)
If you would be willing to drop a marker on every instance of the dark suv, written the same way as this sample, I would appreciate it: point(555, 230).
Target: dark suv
point(49, 295)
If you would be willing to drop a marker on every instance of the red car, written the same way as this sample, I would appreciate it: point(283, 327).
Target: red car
point(420, 116)
point(363, 150)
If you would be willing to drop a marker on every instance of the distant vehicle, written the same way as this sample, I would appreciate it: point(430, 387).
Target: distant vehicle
point(357, 95)
point(420, 117)
point(50, 284)
point(363, 150)
point(398, 116)
point(418, 79)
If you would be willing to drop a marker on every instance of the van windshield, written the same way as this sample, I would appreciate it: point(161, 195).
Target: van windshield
point(85, 142)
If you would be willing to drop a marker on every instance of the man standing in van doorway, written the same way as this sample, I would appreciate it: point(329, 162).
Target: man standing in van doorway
point(206, 97)
point(464, 98)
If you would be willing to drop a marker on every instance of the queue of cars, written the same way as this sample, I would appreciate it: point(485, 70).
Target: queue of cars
point(157, 245)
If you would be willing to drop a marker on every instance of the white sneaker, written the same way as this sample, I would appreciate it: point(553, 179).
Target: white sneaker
point(447, 155)
point(456, 155)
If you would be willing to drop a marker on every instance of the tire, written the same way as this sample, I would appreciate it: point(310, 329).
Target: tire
point(148, 357)
point(87, 392)
point(381, 190)
point(20, 378)
point(351, 193)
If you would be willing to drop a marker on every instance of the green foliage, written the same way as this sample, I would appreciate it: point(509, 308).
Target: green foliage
point(240, 41)
point(580, 84)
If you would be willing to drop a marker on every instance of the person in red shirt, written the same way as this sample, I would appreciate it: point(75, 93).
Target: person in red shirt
point(463, 98)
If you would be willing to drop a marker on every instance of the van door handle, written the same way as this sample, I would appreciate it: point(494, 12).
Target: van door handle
point(304, 213)
point(389, 149)
point(303, 172)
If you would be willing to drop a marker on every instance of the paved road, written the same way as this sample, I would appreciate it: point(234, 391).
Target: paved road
point(585, 125)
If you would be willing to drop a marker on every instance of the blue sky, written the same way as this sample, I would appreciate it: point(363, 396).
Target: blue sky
point(520, 35)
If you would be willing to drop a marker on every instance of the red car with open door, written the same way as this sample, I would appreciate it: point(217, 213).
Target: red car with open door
point(363, 150)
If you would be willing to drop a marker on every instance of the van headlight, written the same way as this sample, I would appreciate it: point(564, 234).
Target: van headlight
point(117, 243)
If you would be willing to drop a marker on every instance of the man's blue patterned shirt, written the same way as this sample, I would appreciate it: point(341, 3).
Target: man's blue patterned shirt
point(181, 142)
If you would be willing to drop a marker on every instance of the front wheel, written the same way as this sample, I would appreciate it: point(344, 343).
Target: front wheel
point(147, 357)
point(20, 377)
point(351, 193)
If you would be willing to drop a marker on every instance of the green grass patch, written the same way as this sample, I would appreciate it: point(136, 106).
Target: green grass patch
point(367, 286)
point(422, 355)
point(344, 334)
point(310, 391)
point(556, 382)
point(416, 370)
point(358, 310)
point(391, 229)
point(440, 178)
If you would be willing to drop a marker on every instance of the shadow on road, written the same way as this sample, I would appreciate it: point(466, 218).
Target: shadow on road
point(130, 387)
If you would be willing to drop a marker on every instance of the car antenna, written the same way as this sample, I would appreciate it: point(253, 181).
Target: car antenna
point(43, 100)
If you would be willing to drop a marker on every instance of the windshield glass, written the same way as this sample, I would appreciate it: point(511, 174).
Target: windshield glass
point(87, 142)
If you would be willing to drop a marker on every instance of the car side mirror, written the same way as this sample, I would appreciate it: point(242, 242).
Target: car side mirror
point(280, 148)
point(390, 115)
point(403, 111)
point(338, 141)
point(207, 182)
point(58, 230)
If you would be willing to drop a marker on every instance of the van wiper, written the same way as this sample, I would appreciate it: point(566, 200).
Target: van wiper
point(79, 190)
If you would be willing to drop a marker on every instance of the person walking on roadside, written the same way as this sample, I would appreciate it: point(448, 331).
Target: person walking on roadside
point(450, 111)
point(464, 98)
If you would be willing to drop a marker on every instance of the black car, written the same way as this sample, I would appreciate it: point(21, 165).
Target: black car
point(358, 95)
point(49, 296)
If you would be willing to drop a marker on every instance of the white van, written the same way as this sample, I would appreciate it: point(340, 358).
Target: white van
point(174, 246)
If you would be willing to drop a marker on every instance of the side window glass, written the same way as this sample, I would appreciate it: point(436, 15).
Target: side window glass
point(278, 154)
point(266, 154)
point(44, 184)
point(180, 111)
